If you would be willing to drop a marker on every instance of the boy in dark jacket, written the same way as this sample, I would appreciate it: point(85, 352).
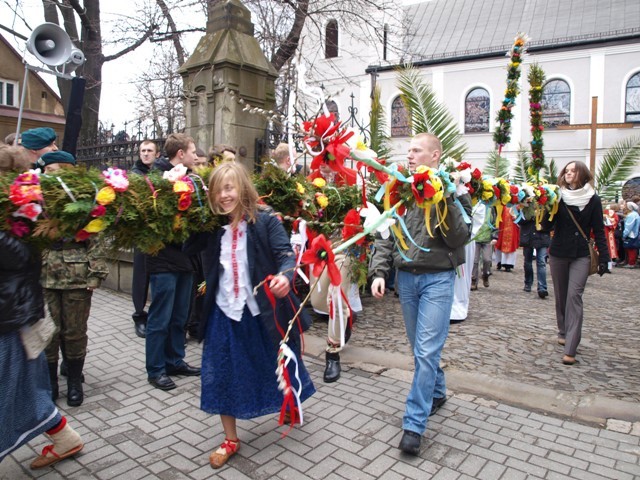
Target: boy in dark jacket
point(171, 281)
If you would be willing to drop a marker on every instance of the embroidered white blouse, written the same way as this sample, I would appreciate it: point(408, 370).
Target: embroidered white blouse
point(234, 289)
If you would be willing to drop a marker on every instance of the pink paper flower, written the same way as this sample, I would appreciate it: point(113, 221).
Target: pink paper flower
point(116, 178)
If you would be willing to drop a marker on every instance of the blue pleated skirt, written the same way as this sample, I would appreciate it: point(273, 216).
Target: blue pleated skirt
point(239, 368)
point(26, 408)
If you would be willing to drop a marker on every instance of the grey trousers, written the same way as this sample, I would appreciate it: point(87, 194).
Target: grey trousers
point(569, 278)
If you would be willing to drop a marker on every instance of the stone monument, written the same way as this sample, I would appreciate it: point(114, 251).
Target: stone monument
point(228, 52)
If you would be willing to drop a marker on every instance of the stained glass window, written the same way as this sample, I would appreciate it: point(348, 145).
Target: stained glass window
point(399, 119)
point(476, 111)
point(632, 106)
point(556, 103)
point(331, 39)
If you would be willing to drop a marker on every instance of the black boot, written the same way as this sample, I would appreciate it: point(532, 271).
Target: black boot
point(75, 395)
point(64, 372)
point(53, 379)
point(332, 371)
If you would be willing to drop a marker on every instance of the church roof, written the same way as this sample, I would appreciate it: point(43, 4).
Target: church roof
point(451, 29)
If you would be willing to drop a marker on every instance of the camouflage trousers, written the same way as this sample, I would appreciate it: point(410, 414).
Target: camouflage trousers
point(70, 313)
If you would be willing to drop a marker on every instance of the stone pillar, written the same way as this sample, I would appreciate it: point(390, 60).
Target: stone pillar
point(230, 53)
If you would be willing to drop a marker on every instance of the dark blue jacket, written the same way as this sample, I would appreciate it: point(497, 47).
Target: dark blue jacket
point(268, 252)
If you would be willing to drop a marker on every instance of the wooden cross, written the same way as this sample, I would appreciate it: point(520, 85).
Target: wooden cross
point(593, 126)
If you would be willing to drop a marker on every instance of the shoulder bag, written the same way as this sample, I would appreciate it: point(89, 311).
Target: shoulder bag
point(593, 253)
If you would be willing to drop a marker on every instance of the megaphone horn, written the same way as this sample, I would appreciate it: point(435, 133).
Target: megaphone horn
point(50, 44)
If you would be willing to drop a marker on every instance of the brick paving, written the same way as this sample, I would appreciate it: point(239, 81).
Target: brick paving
point(352, 427)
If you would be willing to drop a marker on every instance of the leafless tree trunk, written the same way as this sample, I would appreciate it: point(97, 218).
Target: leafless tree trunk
point(91, 43)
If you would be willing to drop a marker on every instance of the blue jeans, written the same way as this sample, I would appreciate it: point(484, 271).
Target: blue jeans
point(541, 267)
point(168, 312)
point(426, 301)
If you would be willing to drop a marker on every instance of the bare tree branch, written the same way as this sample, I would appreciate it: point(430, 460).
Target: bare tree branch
point(175, 36)
point(133, 46)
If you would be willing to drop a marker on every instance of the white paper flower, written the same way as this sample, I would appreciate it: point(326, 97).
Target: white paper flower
point(372, 215)
point(176, 173)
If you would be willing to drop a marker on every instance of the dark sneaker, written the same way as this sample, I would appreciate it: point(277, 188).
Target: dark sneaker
point(543, 294)
point(410, 442)
point(437, 403)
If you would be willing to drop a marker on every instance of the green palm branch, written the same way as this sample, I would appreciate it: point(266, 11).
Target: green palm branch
point(617, 164)
point(380, 141)
point(552, 170)
point(520, 169)
point(428, 115)
point(497, 166)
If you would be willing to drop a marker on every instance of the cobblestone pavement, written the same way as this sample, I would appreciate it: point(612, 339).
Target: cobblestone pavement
point(511, 334)
point(352, 427)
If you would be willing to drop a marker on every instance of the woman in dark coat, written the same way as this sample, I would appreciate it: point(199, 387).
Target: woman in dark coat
point(569, 259)
point(26, 407)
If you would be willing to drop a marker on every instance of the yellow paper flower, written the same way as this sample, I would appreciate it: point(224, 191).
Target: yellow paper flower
point(106, 195)
point(487, 194)
point(96, 225)
point(322, 200)
point(300, 188)
point(421, 168)
point(319, 182)
point(505, 198)
point(181, 186)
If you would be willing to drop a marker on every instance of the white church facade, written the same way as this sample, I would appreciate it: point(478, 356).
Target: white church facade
point(587, 49)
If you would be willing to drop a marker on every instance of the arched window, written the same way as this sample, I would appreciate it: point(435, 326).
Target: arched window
point(556, 103)
point(399, 119)
point(632, 106)
point(333, 108)
point(331, 39)
point(476, 111)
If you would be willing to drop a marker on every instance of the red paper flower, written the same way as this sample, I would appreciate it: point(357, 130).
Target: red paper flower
point(477, 174)
point(184, 202)
point(463, 166)
point(19, 228)
point(82, 235)
point(320, 255)
point(321, 126)
point(421, 187)
point(98, 211)
point(352, 226)
point(21, 194)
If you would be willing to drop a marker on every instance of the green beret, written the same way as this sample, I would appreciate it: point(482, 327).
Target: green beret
point(38, 138)
point(59, 156)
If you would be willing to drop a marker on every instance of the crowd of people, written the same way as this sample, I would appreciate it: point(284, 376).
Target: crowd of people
point(433, 278)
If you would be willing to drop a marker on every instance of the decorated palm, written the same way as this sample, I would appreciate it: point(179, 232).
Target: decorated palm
point(380, 141)
point(617, 164)
point(427, 114)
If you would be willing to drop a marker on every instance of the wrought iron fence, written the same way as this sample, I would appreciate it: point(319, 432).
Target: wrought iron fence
point(275, 134)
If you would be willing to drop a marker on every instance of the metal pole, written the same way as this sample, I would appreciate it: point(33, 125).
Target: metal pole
point(22, 100)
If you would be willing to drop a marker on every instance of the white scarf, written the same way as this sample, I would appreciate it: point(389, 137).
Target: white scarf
point(579, 197)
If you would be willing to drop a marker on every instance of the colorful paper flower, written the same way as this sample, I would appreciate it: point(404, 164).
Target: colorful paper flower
point(19, 228)
point(320, 255)
point(352, 226)
point(176, 173)
point(98, 211)
point(106, 195)
point(300, 189)
point(95, 226)
point(116, 178)
point(319, 182)
point(322, 200)
point(30, 211)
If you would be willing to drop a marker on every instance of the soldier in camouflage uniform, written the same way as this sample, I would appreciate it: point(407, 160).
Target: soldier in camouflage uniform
point(70, 273)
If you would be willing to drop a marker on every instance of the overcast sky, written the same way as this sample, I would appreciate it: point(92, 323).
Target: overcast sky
point(118, 91)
